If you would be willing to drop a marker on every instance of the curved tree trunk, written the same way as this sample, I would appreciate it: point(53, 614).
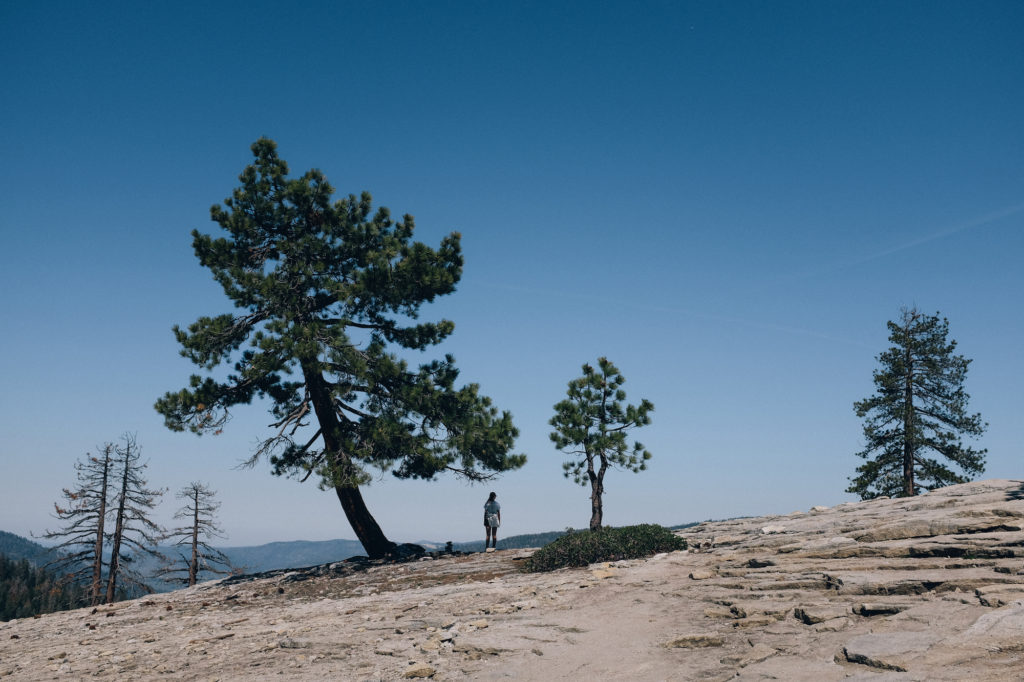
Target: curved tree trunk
point(374, 541)
point(365, 526)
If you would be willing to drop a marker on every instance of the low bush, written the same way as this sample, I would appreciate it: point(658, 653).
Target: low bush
point(580, 548)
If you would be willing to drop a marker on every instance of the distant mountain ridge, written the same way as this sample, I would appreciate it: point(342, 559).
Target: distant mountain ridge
point(15, 547)
point(289, 554)
point(277, 555)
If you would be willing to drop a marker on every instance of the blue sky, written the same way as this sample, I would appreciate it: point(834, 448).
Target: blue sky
point(729, 200)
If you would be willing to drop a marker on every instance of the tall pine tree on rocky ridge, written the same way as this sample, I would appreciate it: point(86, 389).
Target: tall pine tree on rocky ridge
point(326, 294)
point(918, 412)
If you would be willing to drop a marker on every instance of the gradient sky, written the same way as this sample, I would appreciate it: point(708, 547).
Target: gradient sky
point(729, 200)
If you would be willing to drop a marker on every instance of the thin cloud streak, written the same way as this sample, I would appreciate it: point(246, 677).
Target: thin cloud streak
point(970, 224)
point(977, 222)
point(768, 326)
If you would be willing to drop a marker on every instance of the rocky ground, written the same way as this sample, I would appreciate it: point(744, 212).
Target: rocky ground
point(925, 588)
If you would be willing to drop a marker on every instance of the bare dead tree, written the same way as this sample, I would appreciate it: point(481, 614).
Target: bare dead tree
point(79, 554)
point(200, 510)
point(135, 534)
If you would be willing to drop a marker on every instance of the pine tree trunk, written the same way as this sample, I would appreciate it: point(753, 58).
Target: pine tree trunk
point(596, 495)
point(193, 565)
point(596, 510)
point(96, 588)
point(367, 530)
point(374, 541)
point(115, 548)
point(908, 422)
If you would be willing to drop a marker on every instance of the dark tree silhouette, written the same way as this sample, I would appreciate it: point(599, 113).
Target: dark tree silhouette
point(326, 292)
point(919, 409)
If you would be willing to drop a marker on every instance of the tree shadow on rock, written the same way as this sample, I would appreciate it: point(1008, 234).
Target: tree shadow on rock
point(1017, 493)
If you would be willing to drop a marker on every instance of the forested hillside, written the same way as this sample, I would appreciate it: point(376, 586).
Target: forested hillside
point(16, 547)
point(27, 590)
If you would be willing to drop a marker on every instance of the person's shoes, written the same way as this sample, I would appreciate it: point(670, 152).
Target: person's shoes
point(489, 549)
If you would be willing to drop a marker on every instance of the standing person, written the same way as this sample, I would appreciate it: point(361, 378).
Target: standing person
point(492, 519)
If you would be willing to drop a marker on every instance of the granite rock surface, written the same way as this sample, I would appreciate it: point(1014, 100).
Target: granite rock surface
point(924, 588)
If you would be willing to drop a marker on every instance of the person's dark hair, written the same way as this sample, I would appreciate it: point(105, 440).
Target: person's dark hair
point(491, 498)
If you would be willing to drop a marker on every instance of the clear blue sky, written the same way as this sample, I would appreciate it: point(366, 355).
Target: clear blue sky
point(729, 200)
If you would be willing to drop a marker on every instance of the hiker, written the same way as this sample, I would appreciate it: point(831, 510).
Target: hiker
point(492, 519)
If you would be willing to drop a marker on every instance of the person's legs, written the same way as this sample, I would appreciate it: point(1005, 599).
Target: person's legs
point(494, 537)
point(487, 542)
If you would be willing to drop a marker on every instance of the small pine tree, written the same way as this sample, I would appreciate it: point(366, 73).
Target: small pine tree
point(200, 508)
point(919, 409)
point(590, 427)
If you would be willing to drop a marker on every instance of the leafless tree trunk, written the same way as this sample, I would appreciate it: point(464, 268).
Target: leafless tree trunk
point(80, 550)
point(134, 532)
point(200, 508)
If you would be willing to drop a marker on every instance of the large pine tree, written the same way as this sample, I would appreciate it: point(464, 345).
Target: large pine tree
point(914, 422)
point(326, 293)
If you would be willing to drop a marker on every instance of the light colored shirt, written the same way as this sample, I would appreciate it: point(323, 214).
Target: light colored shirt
point(491, 507)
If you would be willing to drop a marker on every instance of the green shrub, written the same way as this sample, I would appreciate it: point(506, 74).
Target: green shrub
point(580, 548)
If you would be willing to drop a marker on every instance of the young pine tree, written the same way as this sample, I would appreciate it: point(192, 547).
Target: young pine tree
point(590, 427)
point(200, 509)
point(326, 293)
point(914, 422)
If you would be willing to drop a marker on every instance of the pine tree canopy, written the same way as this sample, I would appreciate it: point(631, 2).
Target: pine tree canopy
point(328, 294)
point(914, 422)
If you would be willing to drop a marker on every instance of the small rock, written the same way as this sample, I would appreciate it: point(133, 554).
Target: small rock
point(419, 670)
point(755, 621)
point(757, 653)
point(773, 530)
point(289, 643)
point(812, 615)
point(869, 610)
point(430, 645)
point(703, 575)
point(479, 623)
point(832, 625)
point(475, 653)
point(718, 612)
point(699, 641)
